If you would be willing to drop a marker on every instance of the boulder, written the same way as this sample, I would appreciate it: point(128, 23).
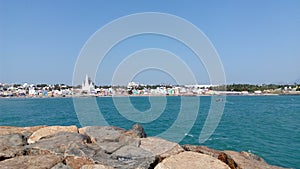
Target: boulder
point(137, 131)
point(11, 145)
point(191, 160)
point(128, 157)
point(160, 147)
point(58, 143)
point(10, 140)
point(32, 162)
point(245, 160)
point(82, 150)
point(50, 130)
point(131, 152)
point(211, 152)
point(99, 134)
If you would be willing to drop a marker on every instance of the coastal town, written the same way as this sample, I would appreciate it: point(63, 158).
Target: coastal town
point(88, 88)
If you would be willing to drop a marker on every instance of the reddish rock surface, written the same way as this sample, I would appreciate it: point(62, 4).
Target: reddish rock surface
point(32, 162)
point(245, 160)
point(4, 130)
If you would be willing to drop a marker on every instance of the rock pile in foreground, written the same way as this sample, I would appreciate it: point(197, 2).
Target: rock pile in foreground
point(107, 147)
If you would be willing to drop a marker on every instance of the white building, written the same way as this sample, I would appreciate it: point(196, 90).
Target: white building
point(132, 85)
point(88, 85)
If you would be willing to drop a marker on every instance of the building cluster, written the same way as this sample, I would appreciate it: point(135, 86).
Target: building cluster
point(32, 90)
point(88, 88)
point(141, 89)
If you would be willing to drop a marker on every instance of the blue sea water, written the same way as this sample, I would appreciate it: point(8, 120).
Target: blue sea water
point(268, 126)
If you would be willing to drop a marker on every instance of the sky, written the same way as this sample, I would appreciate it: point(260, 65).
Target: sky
point(258, 42)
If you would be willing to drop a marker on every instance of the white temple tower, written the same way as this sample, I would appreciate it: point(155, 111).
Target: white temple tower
point(88, 85)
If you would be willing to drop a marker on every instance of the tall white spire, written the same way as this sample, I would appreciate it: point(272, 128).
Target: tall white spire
point(87, 85)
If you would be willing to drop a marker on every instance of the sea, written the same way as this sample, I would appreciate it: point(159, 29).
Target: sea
point(268, 126)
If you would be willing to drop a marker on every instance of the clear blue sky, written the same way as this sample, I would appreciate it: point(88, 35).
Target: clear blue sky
point(257, 41)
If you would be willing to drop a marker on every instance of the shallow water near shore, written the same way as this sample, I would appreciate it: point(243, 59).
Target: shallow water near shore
point(268, 126)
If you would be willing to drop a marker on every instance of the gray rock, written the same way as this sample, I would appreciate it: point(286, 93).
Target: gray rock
point(127, 157)
point(56, 144)
point(133, 157)
point(99, 134)
point(11, 145)
point(131, 152)
point(128, 140)
point(110, 147)
point(82, 150)
point(15, 139)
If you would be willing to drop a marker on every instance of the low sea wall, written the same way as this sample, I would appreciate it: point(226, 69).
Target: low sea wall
point(108, 147)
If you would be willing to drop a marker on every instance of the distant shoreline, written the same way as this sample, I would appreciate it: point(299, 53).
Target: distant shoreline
point(90, 96)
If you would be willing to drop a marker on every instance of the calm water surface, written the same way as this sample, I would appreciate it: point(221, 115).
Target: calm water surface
point(268, 126)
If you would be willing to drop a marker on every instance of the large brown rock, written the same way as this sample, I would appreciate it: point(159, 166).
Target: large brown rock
point(211, 152)
point(4, 130)
point(160, 147)
point(245, 160)
point(31, 162)
point(50, 130)
point(191, 160)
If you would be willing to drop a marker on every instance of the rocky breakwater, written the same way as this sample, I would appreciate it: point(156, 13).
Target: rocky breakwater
point(107, 147)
